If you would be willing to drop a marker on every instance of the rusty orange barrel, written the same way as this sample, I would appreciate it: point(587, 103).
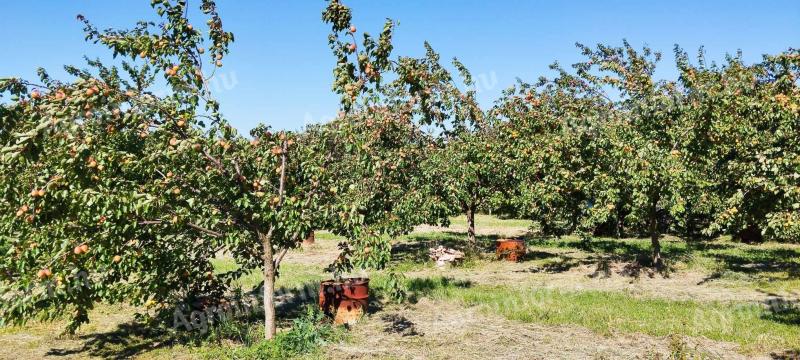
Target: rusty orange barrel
point(345, 301)
point(309, 240)
point(510, 249)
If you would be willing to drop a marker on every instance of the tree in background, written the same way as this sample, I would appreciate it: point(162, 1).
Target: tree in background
point(447, 175)
point(552, 137)
point(746, 134)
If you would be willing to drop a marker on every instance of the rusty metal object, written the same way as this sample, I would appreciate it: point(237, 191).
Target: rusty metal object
point(345, 301)
point(511, 249)
point(309, 240)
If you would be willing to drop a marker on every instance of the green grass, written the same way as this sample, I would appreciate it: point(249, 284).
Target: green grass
point(291, 275)
point(750, 325)
point(489, 221)
point(769, 267)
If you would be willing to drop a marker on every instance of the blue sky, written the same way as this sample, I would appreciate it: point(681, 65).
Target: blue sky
point(279, 71)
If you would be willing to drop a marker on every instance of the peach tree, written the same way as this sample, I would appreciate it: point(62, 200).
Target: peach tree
point(746, 137)
point(116, 194)
point(410, 108)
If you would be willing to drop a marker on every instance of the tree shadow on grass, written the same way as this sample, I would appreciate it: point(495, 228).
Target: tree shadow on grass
point(754, 260)
point(415, 248)
point(136, 338)
point(421, 287)
point(757, 263)
point(786, 355)
point(126, 341)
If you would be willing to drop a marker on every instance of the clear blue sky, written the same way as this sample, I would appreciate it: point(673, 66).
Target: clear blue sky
point(279, 71)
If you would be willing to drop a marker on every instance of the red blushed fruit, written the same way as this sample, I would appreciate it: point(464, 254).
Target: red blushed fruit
point(44, 274)
point(35, 94)
point(351, 47)
point(352, 28)
point(116, 259)
point(77, 250)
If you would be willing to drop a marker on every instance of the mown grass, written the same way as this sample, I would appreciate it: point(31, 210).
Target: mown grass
point(290, 276)
point(483, 221)
point(769, 267)
point(754, 327)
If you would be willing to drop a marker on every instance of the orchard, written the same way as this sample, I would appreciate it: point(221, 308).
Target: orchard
point(115, 194)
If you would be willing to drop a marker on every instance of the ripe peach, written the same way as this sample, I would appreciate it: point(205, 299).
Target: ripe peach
point(90, 92)
point(181, 123)
point(196, 147)
point(117, 259)
point(35, 94)
point(22, 210)
point(173, 142)
point(352, 28)
point(44, 274)
point(351, 47)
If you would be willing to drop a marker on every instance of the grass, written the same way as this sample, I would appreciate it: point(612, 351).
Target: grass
point(290, 276)
point(769, 267)
point(753, 327)
point(483, 221)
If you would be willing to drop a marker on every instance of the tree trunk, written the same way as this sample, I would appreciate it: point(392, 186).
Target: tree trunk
point(655, 235)
point(269, 262)
point(269, 288)
point(473, 243)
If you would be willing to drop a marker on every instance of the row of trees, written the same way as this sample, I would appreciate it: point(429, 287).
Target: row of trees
point(608, 149)
point(103, 177)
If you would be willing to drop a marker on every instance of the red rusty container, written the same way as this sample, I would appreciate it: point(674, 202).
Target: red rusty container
point(309, 240)
point(511, 249)
point(345, 301)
